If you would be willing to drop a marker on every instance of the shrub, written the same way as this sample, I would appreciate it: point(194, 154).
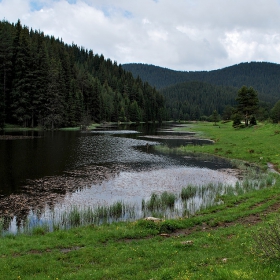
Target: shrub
point(168, 227)
point(146, 224)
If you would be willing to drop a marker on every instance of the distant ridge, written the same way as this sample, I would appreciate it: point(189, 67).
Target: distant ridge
point(262, 76)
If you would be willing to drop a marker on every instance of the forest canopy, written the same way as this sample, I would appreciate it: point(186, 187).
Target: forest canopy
point(45, 82)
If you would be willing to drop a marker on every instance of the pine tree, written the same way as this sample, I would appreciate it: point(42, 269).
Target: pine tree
point(248, 101)
point(55, 105)
point(22, 76)
point(6, 54)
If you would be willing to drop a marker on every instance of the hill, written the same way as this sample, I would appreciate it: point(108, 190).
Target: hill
point(193, 100)
point(45, 82)
point(262, 76)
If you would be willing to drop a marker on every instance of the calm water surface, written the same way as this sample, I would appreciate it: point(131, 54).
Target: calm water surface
point(142, 170)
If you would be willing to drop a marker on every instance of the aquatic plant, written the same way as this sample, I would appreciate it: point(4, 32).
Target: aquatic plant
point(188, 192)
point(168, 199)
point(159, 202)
point(116, 210)
point(166, 205)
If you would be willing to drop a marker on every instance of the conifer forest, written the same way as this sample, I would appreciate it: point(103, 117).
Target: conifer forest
point(47, 83)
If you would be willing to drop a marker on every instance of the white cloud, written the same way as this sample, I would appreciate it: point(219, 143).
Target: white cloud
point(181, 34)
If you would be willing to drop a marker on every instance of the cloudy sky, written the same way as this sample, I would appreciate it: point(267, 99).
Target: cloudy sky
point(184, 35)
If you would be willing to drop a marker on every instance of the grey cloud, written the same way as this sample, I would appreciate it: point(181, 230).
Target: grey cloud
point(182, 35)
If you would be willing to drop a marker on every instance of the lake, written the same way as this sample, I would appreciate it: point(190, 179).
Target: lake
point(46, 171)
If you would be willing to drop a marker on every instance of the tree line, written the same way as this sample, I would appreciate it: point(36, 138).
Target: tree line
point(45, 82)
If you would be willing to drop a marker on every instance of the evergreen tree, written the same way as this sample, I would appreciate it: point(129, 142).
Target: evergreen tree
point(46, 82)
point(55, 105)
point(6, 53)
point(275, 112)
point(215, 117)
point(227, 113)
point(248, 101)
point(22, 77)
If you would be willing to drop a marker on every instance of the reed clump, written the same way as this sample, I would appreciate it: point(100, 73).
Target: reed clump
point(159, 202)
point(188, 192)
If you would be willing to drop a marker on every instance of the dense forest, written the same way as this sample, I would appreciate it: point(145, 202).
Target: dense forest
point(197, 100)
point(45, 82)
point(262, 76)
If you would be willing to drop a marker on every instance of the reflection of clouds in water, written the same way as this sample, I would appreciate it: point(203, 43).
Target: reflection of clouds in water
point(120, 132)
point(107, 149)
point(133, 186)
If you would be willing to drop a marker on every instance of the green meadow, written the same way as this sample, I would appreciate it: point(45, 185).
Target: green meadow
point(258, 144)
point(235, 239)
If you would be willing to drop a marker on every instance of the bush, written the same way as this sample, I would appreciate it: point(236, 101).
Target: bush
point(168, 227)
point(236, 120)
point(146, 224)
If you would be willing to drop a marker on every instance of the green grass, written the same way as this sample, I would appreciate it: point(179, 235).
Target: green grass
point(138, 250)
point(258, 144)
point(216, 243)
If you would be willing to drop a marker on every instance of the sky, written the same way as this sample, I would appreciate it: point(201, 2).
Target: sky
point(185, 35)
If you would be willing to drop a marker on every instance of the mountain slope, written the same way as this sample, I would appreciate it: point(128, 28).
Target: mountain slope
point(45, 82)
point(191, 100)
point(262, 76)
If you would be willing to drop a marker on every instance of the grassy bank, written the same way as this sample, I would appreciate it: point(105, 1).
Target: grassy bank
point(258, 144)
point(217, 243)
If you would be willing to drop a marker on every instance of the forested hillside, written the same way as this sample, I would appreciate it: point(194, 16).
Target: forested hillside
point(262, 76)
point(45, 82)
point(192, 100)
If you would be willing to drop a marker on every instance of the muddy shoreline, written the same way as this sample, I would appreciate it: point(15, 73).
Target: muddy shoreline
point(38, 193)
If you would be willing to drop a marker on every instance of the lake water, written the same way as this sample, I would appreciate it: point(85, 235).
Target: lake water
point(96, 167)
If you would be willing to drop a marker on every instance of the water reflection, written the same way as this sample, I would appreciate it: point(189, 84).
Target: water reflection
point(134, 186)
point(96, 168)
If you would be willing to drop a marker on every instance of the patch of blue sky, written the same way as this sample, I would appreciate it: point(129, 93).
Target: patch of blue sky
point(72, 1)
point(127, 14)
point(110, 11)
point(106, 11)
point(36, 5)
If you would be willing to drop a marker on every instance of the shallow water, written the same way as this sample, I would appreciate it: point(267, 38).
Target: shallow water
point(134, 186)
point(112, 163)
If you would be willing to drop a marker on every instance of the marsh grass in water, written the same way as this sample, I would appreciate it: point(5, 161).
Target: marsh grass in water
point(166, 205)
point(188, 192)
